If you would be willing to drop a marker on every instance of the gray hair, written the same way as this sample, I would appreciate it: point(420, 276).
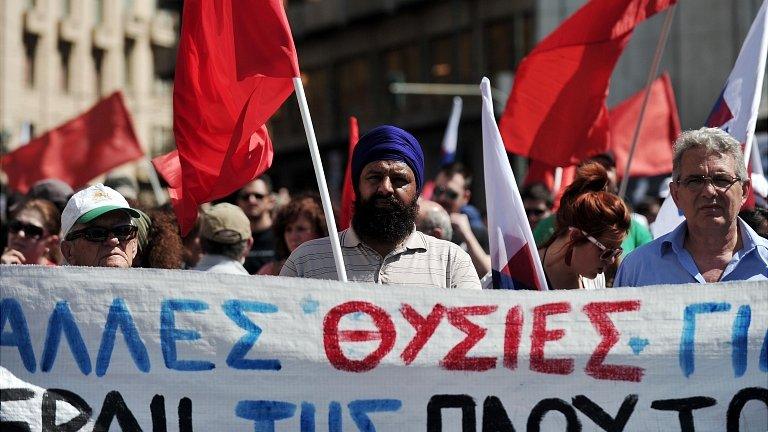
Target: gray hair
point(436, 217)
point(713, 140)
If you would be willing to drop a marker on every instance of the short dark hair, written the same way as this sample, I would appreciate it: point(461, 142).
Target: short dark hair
point(234, 251)
point(454, 168)
point(607, 160)
point(539, 192)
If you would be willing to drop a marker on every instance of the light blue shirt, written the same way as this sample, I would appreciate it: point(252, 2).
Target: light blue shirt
point(666, 261)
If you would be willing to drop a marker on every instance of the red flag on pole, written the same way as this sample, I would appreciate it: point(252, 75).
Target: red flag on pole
point(348, 193)
point(660, 128)
point(89, 145)
point(234, 69)
point(556, 112)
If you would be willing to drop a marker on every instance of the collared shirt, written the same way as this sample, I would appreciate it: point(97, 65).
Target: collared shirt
point(421, 260)
point(666, 261)
point(220, 264)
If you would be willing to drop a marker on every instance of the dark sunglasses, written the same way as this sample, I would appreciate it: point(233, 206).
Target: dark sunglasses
point(98, 234)
point(440, 191)
point(31, 231)
point(245, 196)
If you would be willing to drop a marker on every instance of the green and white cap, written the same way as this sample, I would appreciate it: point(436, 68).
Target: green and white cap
point(90, 203)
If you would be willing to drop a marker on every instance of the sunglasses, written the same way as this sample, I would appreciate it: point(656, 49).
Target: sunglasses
point(98, 234)
point(30, 231)
point(440, 191)
point(246, 196)
point(606, 254)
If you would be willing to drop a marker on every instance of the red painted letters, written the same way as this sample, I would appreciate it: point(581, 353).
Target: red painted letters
point(332, 336)
point(425, 328)
point(457, 359)
point(598, 314)
point(540, 335)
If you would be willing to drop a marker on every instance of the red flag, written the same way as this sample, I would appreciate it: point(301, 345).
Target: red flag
point(556, 112)
point(660, 128)
point(348, 193)
point(234, 69)
point(98, 140)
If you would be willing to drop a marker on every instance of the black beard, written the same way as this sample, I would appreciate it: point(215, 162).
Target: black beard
point(389, 222)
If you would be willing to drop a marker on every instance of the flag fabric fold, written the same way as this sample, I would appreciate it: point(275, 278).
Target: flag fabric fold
point(451, 137)
point(75, 152)
point(515, 262)
point(556, 112)
point(348, 192)
point(234, 69)
point(660, 128)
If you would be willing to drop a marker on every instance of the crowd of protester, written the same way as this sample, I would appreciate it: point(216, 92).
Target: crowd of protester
point(589, 239)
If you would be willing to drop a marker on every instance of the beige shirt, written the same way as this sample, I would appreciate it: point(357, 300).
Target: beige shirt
point(421, 261)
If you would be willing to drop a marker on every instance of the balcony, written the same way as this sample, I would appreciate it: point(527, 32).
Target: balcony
point(135, 26)
point(70, 28)
point(35, 21)
point(163, 29)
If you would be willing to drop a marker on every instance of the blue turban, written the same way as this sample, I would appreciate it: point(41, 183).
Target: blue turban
point(388, 143)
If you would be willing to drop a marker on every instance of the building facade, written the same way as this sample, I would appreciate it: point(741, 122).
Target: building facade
point(58, 57)
point(351, 50)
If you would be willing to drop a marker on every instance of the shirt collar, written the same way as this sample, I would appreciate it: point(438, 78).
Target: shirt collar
point(750, 240)
point(416, 240)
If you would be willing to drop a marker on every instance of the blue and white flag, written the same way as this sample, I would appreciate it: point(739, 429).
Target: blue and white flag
point(451, 137)
point(515, 262)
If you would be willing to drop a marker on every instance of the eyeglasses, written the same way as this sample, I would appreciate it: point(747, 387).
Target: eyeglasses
point(440, 191)
point(607, 255)
point(246, 196)
point(30, 231)
point(720, 182)
point(98, 234)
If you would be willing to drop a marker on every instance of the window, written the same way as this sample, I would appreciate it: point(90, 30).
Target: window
point(65, 54)
point(402, 65)
point(98, 75)
point(128, 53)
point(354, 90)
point(30, 51)
point(500, 47)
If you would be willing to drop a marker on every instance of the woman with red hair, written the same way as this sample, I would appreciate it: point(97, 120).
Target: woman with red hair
point(590, 225)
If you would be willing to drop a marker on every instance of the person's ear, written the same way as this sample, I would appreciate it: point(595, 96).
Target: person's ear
point(248, 245)
point(438, 233)
point(674, 189)
point(746, 188)
point(467, 195)
point(53, 241)
point(66, 251)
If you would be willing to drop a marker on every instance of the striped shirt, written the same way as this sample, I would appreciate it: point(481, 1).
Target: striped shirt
point(421, 260)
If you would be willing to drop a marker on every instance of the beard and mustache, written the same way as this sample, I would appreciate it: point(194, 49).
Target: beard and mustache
point(384, 218)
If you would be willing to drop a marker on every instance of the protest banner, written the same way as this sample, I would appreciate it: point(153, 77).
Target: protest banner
point(86, 349)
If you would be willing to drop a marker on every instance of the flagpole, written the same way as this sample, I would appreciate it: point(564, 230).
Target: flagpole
point(320, 176)
point(649, 82)
point(155, 182)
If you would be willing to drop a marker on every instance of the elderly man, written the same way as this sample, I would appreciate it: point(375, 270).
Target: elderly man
point(382, 246)
point(99, 230)
point(710, 184)
point(225, 239)
point(434, 220)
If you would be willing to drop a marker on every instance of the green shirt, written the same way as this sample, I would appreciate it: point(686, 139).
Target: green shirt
point(637, 236)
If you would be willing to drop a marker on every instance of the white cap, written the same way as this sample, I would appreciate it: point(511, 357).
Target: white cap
point(90, 203)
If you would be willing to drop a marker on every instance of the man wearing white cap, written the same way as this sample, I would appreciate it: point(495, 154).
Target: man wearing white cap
point(98, 229)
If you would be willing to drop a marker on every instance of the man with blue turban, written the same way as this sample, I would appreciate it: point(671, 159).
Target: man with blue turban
point(383, 246)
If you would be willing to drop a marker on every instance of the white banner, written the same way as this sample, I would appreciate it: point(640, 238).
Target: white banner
point(152, 350)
